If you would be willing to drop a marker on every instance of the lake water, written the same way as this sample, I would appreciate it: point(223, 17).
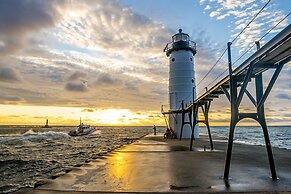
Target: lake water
point(280, 136)
point(31, 153)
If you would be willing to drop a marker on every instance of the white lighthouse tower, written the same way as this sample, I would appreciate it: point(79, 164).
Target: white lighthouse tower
point(181, 53)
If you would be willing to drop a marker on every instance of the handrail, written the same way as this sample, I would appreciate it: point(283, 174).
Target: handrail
point(258, 56)
point(269, 46)
point(284, 35)
point(169, 46)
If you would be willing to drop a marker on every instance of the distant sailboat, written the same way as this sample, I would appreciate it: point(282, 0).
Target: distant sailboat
point(46, 125)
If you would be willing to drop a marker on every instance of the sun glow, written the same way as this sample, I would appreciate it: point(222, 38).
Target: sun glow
point(36, 115)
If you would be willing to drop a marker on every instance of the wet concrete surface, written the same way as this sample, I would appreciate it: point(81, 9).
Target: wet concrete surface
point(153, 164)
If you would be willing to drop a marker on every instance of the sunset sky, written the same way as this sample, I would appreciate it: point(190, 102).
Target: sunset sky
point(103, 60)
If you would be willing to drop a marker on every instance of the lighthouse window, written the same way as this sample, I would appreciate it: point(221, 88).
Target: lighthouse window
point(173, 59)
point(185, 37)
point(177, 37)
point(191, 59)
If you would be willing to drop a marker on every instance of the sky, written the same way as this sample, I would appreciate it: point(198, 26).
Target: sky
point(103, 60)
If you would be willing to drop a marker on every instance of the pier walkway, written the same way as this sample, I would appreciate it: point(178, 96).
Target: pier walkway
point(153, 164)
point(272, 56)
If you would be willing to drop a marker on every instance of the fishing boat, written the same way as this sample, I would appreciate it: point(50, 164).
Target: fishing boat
point(82, 130)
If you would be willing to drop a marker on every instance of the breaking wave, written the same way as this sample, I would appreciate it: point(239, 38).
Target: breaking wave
point(30, 135)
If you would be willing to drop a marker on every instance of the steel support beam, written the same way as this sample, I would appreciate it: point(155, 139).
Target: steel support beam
point(248, 115)
point(245, 84)
point(183, 120)
point(205, 111)
point(195, 122)
point(263, 123)
point(261, 119)
point(225, 92)
point(195, 117)
point(234, 114)
point(271, 84)
point(251, 98)
point(258, 116)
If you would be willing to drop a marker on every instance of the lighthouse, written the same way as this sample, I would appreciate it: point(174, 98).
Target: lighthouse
point(182, 83)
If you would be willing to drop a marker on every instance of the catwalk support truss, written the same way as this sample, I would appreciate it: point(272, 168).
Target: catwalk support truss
point(273, 55)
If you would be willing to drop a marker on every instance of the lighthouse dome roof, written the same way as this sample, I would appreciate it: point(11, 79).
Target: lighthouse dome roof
point(180, 36)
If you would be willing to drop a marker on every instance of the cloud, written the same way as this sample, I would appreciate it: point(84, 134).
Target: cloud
point(77, 75)
point(207, 7)
point(9, 75)
point(111, 47)
point(18, 17)
point(19, 20)
point(11, 98)
point(214, 13)
point(160, 91)
point(202, 1)
point(107, 79)
point(88, 110)
point(241, 14)
point(122, 29)
point(125, 57)
point(76, 87)
point(207, 54)
point(131, 86)
point(283, 96)
point(138, 77)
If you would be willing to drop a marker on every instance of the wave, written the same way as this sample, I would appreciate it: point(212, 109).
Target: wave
point(31, 135)
point(9, 188)
point(97, 132)
point(279, 136)
point(248, 142)
point(29, 132)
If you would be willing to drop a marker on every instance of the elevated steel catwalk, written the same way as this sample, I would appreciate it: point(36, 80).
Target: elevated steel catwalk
point(273, 55)
point(273, 52)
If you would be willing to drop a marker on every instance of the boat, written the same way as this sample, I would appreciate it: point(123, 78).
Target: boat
point(82, 130)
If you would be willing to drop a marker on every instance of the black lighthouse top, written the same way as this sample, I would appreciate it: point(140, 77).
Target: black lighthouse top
point(180, 41)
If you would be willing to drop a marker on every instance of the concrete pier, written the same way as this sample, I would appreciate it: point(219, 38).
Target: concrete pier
point(147, 166)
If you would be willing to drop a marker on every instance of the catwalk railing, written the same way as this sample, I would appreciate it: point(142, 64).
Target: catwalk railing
point(273, 55)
